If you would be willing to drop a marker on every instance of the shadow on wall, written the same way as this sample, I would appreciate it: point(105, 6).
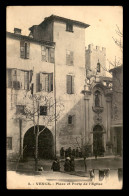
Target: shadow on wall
point(70, 126)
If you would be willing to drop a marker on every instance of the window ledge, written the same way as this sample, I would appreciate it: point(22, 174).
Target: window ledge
point(70, 31)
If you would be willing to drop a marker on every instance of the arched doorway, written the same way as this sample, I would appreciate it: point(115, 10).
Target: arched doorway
point(98, 147)
point(45, 143)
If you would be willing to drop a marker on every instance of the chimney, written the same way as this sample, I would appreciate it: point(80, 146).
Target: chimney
point(17, 31)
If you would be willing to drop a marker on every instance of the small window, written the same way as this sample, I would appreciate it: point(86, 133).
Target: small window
point(20, 109)
point(98, 66)
point(70, 120)
point(69, 27)
point(43, 110)
point(9, 143)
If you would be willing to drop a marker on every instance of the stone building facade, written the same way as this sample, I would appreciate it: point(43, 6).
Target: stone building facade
point(53, 58)
point(117, 110)
point(25, 64)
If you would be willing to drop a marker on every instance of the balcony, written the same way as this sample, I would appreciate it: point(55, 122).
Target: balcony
point(98, 109)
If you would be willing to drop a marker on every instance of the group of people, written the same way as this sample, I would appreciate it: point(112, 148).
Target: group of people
point(69, 164)
point(70, 152)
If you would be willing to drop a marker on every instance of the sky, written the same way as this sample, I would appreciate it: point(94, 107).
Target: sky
point(102, 21)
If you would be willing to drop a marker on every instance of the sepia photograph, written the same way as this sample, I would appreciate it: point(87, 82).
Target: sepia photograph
point(64, 97)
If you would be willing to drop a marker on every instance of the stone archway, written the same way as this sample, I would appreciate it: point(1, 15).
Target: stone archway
point(45, 144)
point(98, 147)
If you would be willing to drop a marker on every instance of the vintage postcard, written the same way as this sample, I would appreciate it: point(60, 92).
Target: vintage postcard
point(64, 97)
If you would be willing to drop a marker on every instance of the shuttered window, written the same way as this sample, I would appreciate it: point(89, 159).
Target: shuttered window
point(69, 57)
point(27, 50)
point(50, 82)
point(47, 54)
point(70, 84)
point(18, 79)
point(26, 80)
point(24, 49)
point(46, 82)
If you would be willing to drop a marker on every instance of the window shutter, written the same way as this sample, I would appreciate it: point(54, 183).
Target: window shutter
point(51, 55)
point(27, 50)
point(14, 74)
point(26, 80)
point(43, 53)
point(72, 84)
point(22, 49)
point(46, 83)
point(20, 78)
point(69, 82)
point(71, 58)
point(40, 81)
point(50, 82)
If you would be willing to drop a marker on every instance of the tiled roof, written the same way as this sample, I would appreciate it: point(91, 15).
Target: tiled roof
point(58, 18)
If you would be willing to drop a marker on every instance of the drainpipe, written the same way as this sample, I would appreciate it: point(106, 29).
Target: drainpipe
point(55, 101)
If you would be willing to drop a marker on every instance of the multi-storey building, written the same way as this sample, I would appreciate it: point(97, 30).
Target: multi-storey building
point(53, 59)
point(57, 45)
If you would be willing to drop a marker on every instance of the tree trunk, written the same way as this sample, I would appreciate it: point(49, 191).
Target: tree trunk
point(36, 153)
point(85, 164)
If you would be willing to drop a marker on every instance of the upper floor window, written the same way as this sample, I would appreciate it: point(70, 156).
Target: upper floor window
point(46, 82)
point(18, 79)
point(69, 27)
point(47, 54)
point(70, 120)
point(69, 57)
point(24, 49)
point(98, 66)
point(70, 84)
point(9, 143)
point(43, 110)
